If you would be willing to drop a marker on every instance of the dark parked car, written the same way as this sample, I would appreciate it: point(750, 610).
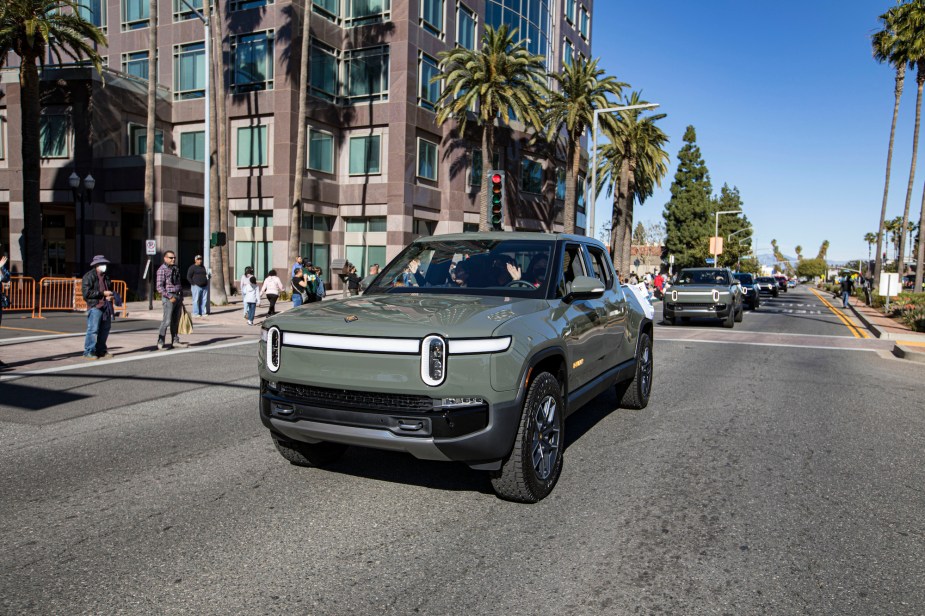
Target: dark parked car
point(750, 295)
point(767, 286)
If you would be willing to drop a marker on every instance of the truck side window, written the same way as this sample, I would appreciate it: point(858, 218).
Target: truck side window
point(572, 267)
point(599, 265)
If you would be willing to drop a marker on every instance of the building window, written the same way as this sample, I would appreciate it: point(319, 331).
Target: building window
point(259, 220)
point(427, 160)
point(53, 136)
point(253, 62)
point(432, 16)
point(181, 12)
point(364, 155)
point(327, 8)
point(568, 53)
point(470, 227)
point(324, 69)
point(253, 149)
point(320, 151)
point(365, 256)
point(531, 176)
point(189, 68)
point(258, 255)
point(362, 12)
point(367, 73)
point(475, 172)
point(243, 5)
point(580, 193)
point(429, 91)
point(584, 23)
point(373, 224)
point(560, 184)
point(320, 256)
point(135, 63)
point(134, 14)
point(193, 145)
point(317, 222)
point(465, 27)
point(93, 11)
point(570, 10)
point(424, 227)
point(138, 140)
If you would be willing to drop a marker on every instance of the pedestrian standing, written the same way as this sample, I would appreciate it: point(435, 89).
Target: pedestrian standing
point(251, 297)
point(245, 279)
point(171, 290)
point(374, 269)
point(4, 278)
point(299, 264)
point(198, 279)
point(659, 283)
point(272, 287)
point(320, 291)
point(298, 285)
point(847, 286)
point(97, 293)
point(353, 281)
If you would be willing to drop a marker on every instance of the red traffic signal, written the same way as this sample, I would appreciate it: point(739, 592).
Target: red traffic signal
point(496, 207)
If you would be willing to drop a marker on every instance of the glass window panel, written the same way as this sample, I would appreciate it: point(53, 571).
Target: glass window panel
point(570, 10)
point(375, 254)
point(364, 155)
point(135, 14)
point(357, 256)
point(584, 23)
point(244, 220)
point(323, 72)
point(429, 92)
point(322, 223)
point(193, 145)
point(475, 173)
point(367, 73)
point(366, 11)
point(377, 224)
point(139, 136)
point(242, 5)
point(465, 22)
point(321, 257)
point(356, 225)
point(328, 8)
point(136, 64)
point(432, 15)
point(580, 196)
point(252, 146)
point(190, 71)
point(53, 136)
point(93, 11)
point(253, 62)
point(321, 151)
point(531, 176)
point(427, 160)
point(568, 52)
point(560, 184)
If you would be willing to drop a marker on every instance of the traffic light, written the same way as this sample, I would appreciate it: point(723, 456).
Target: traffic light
point(218, 239)
point(496, 200)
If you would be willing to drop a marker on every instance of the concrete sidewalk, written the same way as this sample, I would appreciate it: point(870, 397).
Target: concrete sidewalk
point(907, 343)
point(138, 336)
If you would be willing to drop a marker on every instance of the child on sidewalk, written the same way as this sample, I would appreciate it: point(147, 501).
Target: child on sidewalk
point(251, 296)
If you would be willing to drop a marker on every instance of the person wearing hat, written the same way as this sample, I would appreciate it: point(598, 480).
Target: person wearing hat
point(198, 279)
point(96, 288)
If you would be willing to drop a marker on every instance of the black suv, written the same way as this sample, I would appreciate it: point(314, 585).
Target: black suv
point(749, 290)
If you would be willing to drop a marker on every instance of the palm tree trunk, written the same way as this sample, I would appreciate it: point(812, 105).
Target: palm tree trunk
point(487, 159)
point(920, 256)
point(898, 90)
point(217, 293)
point(295, 212)
point(621, 225)
point(31, 166)
point(571, 185)
point(150, 131)
point(919, 82)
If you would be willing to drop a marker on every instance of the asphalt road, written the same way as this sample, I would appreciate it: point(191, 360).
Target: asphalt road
point(780, 478)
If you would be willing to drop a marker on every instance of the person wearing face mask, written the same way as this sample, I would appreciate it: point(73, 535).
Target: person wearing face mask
point(97, 292)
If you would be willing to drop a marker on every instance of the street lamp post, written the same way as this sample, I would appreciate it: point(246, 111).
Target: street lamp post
point(592, 201)
point(716, 235)
point(207, 163)
point(83, 196)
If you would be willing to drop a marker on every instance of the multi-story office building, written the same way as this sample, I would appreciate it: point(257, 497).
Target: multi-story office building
point(380, 170)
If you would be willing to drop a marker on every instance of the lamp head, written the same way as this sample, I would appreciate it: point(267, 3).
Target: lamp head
point(73, 180)
point(89, 182)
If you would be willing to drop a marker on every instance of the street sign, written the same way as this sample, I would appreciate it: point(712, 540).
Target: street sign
point(889, 284)
point(716, 244)
point(710, 260)
point(150, 247)
point(671, 259)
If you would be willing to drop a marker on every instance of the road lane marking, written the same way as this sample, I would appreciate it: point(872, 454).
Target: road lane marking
point(121, 360)
point(769, 344)
point(26, 329)
point(857, 333)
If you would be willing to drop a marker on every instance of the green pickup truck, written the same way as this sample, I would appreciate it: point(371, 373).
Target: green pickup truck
point(704, 292)
point(471, 347)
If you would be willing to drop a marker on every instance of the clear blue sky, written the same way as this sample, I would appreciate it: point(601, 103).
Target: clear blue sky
point(788, 104)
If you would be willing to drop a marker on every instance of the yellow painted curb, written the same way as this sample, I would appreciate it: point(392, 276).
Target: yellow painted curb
point(855, 331)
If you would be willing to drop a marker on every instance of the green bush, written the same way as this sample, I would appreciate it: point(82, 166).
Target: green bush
point(910, 307)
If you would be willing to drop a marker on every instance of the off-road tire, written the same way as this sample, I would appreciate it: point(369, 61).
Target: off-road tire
point(729, 321)
point(518, 479)
point(740, 314)
point(309, 454)
point(634, 394)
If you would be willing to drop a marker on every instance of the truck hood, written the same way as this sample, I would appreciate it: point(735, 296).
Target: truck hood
point(403, 315)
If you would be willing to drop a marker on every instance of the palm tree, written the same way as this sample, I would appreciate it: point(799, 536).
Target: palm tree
point(582, 89)
point(636, 161)
point(892, 227)
point(799, 250)
point(499, 81)
point(295, 209)
point(885, 50)
point(33, 29)
point(823, 250)
point(910, 46)
point(871, 239)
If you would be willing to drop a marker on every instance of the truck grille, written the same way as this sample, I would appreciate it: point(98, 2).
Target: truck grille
point(342, 398)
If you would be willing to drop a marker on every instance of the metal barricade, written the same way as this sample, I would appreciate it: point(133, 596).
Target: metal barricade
point(21, 292)
point(66, 294)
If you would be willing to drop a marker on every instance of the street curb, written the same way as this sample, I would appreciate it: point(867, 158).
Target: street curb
point(873, 328)
point(905, 352)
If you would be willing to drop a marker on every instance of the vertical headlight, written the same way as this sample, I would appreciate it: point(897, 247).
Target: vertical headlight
point(674, 296)
point(433, 360)
point(274, 342)
point(715, 296)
